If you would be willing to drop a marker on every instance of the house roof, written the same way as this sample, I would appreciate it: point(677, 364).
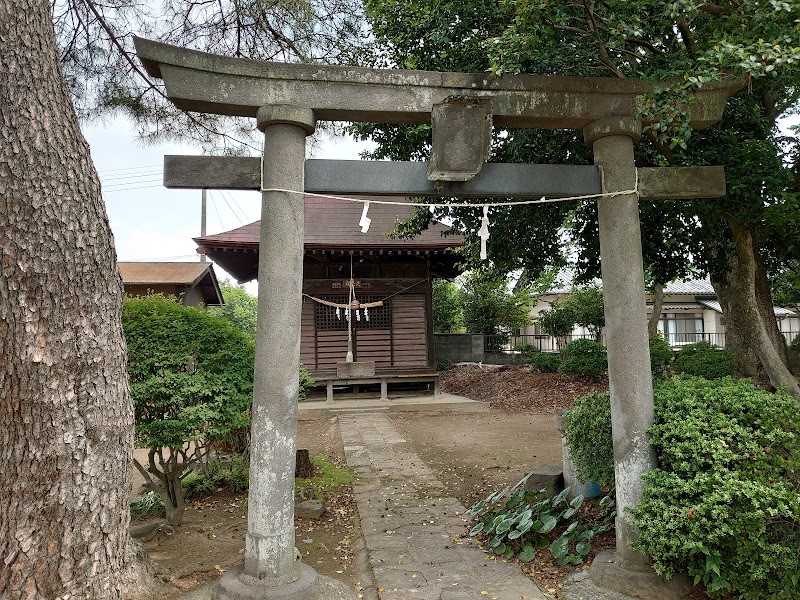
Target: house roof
point(332, 224)
point(183, 274)
point(690, 287)
point(715, 306)
point(667, 306)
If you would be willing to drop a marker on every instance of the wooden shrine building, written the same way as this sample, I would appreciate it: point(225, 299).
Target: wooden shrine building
point(397, 336)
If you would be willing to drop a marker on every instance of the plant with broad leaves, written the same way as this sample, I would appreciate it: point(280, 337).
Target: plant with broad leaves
point(517, 522)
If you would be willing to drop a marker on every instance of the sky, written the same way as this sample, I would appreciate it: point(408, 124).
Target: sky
point(153, 223)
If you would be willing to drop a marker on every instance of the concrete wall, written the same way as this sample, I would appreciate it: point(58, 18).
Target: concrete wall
point(468, 347)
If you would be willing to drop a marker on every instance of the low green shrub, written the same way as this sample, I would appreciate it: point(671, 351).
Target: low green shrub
point(306, 383)
point(661, 355)
point(588, 433)
point(197, 484)
point(523, 523)
point(702, 359)
point(150, 505)
point(724, 504)
point(235, 478)
point(526, 349)
point(584, 357)
point(544, 362)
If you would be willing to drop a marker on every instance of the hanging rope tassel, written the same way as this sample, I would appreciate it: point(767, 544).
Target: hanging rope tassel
point(366, 314)
point(338, 314)
point(365, 220)
point(483, 232)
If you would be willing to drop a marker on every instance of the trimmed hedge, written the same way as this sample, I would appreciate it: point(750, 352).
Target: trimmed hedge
point(704, 360)
point(584, 357)
point(724, 504)
point(544, 362)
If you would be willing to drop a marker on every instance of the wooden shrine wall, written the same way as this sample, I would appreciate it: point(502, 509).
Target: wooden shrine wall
point(397, 336)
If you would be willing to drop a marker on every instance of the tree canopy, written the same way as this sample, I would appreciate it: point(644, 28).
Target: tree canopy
point(95, 42)
point(753, 229)
point(240, 309)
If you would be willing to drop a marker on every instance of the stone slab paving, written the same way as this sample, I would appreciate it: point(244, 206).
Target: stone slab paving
point(414, 532)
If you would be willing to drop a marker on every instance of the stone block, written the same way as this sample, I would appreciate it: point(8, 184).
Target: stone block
point(363, 368)
point(547, 477)
point(462, 134)
point(310, 509)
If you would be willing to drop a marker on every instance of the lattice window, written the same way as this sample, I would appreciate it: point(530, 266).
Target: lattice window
point(380, 317)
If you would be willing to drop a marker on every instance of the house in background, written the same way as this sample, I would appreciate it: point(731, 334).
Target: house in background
point(397, 336)
point(194, 283)
point(690, 313)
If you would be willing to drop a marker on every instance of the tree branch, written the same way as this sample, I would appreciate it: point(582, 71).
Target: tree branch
point(686, 35)
point(716, 9)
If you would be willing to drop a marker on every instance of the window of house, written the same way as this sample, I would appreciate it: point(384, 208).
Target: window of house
point(681, 328)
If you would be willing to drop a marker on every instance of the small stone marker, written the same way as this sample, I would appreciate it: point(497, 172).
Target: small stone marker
point(310, 509)
point(546, 477)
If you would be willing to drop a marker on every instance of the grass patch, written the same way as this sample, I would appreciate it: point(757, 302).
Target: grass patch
point(148, 506)
point(328, 478)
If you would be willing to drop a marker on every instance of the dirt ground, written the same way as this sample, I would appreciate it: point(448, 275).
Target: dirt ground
point(473, 454)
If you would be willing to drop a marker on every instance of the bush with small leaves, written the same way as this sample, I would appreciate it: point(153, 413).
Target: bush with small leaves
point(584, 357)
point(588, 434)
point(661, 355)
point(306, 383)
point(191, 378)
point(544, 362)
point(519, 523)
point(702, 359)
point(724, 504)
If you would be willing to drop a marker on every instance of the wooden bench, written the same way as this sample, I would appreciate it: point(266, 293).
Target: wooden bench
point(384, 380)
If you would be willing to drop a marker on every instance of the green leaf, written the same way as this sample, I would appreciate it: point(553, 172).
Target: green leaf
point(477, 529)
point(505, 525)
point(549, 523)
point(559, 548)
point(576, 501)
point(583, 548)
point(560, 498)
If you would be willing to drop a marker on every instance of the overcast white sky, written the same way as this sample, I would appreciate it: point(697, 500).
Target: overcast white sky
point(151, 222)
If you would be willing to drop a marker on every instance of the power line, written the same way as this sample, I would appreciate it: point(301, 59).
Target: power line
point(130, 169)
point(141, 187)
point(135, 176)
point(231, 207)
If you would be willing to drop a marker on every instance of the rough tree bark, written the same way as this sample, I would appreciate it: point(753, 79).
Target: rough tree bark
point(751, 329)
point(658, 302)
point(66, 418)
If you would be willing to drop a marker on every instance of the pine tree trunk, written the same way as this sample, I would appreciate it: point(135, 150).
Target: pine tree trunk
point(751, 330)
point(66, 417)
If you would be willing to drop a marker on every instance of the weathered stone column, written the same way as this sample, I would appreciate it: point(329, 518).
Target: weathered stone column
point(269, 549)
point(629, 371)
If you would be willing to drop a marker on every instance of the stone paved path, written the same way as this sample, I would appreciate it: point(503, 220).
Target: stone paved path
point(413, 530)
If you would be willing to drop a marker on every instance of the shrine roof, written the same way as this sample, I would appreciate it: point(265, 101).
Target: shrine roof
point(331, 223)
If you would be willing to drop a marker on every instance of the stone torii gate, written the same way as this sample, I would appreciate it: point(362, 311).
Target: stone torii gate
point(286, 100)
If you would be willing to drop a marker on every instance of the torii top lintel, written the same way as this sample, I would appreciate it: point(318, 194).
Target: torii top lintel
point(210, 83)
